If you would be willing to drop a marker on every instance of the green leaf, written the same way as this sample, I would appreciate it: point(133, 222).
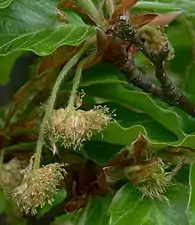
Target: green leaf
point(73, 17)
point(116, 134)
point(115, 137)
point(32, 25)
point(167, 5)
point(191, 203)
point(127, 205)
point(6, 64)
point(181, 69)
point(4, 3)
point(99, 151)
point(2, 202)
point(98, 211)
point(140, 102)
point(97, 214)
point(189, 142)
point(127, 117)
point(102, 73)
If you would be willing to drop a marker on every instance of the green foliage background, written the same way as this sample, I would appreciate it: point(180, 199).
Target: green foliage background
point(30, 26)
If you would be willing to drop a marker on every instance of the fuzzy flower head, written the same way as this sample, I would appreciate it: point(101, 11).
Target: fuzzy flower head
point(72, 127)
point(38, 188)
point(151, 179)
point(156, 184)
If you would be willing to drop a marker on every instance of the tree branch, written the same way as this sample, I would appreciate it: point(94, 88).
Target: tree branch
point(118, 54)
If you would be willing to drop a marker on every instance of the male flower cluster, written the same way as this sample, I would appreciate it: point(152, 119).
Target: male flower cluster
point(38, 188)
point(72, 127)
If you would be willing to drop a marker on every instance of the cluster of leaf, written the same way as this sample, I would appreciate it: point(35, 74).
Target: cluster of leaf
point(55, 31)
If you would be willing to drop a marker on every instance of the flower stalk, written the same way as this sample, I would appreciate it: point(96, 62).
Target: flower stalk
point(51, 102)
point(77, 79)
point(71, 126)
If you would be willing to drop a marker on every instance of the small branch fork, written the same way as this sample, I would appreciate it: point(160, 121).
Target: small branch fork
point(119, 54)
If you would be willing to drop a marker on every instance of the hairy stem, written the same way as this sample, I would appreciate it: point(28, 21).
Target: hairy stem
point(77, 79)
point(51, 102)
